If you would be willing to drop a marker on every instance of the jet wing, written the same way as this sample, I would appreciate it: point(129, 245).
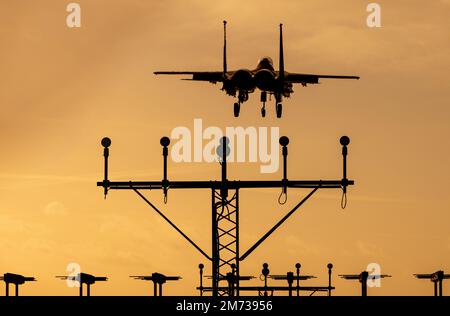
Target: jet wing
point(311, 78)
point(211, 76)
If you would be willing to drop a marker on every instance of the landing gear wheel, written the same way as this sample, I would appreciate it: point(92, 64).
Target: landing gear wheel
point(263, 112)
point(237, 109)
point(279, 109)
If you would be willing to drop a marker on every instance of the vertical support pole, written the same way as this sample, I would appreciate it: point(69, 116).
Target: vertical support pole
point(106, 142)
point(435, 288)
point(88, 293)
point(201, 266)
point(330, 267)
point(160, 289)
point(81, 288)
point(290, 280)
point(7, 289)
point(237, 273)
point(225, 238)
point(284, 141)
point(233, 280)
point(230, 281)
point(363, 279)
point(214, 248)
point(265, 272)
point(215, 217)
point(17, 289)
point(297, 267)
point(440, 277)
point(224, 187)
point(344, 142)
point(285, 151)
point(155, 289)
point(165, 142)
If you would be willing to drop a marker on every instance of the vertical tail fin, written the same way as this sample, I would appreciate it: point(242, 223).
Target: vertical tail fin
point(224, 48)
point(281, 60)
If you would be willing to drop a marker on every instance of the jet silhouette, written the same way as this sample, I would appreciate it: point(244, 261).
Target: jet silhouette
point(264, 77)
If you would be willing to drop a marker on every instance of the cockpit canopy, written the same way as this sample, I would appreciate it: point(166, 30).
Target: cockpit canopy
point(265, 63)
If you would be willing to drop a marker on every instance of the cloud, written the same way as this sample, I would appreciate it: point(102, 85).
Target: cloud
point(45, 177)
point(297, 245)
point(16, 181)
point(368, 249)
point(55, 208)
point(11, 224)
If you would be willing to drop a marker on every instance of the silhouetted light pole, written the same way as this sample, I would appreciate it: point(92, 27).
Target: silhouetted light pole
point(266, 289)
point(225, 204)
point(289, 277)
point(84, 278)
point(363, 277)
point(437, 278)
point(158, 280)
point(16, 279)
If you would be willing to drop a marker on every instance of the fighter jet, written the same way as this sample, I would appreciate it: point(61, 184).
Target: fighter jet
point(278, 83)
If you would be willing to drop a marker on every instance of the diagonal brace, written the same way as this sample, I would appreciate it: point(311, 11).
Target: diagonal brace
point(277, 224)
point(171, 224)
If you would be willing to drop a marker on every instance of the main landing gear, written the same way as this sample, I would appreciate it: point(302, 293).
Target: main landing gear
point(263, 100)
point(278, 105)
point(279, 109)
point(243, 97)
point(237, 109)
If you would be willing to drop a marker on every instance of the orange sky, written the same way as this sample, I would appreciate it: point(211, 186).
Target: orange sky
point(62, 90)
